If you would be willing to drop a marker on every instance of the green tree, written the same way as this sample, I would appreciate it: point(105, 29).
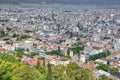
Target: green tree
point(54, 52)
point(78, 73)
point(49, 75)
point(24, 72)
point(7, 57)
point(57, 73)
point(2, 34)
point(103, 77)
point(32, 54)
point(24, 36)
point(19, 53)
point(84, 74)
point(104, 67)
point(77, 49)
point(20, 71)
point(72, 70)
point(43, 71)
point(5, 70)
point(8, 29)
point(113, 70)
point(98, 56)
point(15, 35)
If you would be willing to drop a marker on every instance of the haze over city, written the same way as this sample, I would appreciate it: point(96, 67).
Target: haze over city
point(99, 2)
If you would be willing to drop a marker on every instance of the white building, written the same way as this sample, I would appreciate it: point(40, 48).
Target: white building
point(101, 72)
point(82, 58)
point(116, 43)
point(101, 61)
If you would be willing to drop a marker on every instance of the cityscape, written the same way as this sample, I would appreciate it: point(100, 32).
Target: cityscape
point(59, 42)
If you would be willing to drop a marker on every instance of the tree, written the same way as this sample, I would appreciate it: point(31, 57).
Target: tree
point(78, 73)
point(113, 70)
point(15, 35)
point(24, 36)
point(43, 71)
point(58, 73)
point(6, 39)
point(72, 70)
point(5, 70)
point(54, 52)
point(98, 56)
point(32, 54)
point(7, 57)
point(103, 77)
point(20, 71)
point(49, 75)
point(84, 74)
point(77, 49)
point(11, 69)
point(8, 29)
point(105, 67)
point(19, 53)
point(25, 72)
point(8, 42)
point(2, 34)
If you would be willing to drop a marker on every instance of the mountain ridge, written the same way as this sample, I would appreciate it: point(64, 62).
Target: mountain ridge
point(99, 2)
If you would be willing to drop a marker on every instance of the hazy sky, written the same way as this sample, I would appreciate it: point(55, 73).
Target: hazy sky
point(104, 2)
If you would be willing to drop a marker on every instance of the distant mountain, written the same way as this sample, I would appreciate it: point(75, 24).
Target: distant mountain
point(99, 2)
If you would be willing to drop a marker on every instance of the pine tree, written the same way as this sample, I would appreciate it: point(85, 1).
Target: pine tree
point(49, 76)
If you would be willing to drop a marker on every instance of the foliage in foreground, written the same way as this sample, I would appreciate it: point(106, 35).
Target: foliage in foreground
point(12, 69)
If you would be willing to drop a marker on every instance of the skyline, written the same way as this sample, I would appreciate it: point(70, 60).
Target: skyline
point(73, 2)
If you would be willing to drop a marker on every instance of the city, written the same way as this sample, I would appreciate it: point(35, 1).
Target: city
point(56, 34)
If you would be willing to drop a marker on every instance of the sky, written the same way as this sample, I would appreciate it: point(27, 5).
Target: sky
point(99, 2)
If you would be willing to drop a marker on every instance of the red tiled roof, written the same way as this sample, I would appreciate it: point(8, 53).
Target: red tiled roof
point(118, 37)
point(90, 66)
point(3, 51)
point(35, 61)
point(42, 62)
point(96, 48)
point(83, 42)
point(116, 53)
